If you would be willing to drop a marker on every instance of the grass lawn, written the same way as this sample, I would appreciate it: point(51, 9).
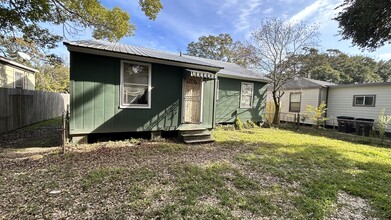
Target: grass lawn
point(250, 174)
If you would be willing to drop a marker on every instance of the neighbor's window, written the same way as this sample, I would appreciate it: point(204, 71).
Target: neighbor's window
point(364, 100)
point(19, 79)
point(135, 85)
point(295, 102)
point(246, 95)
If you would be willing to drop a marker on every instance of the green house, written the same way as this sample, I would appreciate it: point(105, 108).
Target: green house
point(121, 88)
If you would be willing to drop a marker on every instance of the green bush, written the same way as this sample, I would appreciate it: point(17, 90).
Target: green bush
point(238, 124)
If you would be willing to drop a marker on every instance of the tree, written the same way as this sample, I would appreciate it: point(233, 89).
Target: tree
point(365, 22)
point(53, 78)
point(384, 70)
point(276, 41)
point(222, 47)
point(24, 19)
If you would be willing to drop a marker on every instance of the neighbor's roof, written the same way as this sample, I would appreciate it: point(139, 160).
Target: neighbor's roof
point(232, 70)
point(138, 51)
point(224, 69)
point(362, 84)
point(305, 83)
point(11, 62)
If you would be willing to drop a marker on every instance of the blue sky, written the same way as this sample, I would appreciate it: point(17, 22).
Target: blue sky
point(181, 22)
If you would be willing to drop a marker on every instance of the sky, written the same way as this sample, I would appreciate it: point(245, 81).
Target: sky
point(181, 22)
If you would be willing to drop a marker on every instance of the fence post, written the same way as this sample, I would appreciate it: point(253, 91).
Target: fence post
point(64, 118)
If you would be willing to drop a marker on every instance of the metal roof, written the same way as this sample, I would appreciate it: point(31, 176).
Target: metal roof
point(305, 83)
point(226, 69)
point(362, 84)
point(138, 51)
point(11, 62)
point(232, 70)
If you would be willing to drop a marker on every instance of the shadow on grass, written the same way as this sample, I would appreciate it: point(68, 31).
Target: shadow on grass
point(42, 134)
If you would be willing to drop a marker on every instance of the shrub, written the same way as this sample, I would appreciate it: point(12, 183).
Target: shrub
point(316, 114)
point(382, 123)
point(238, 124)
point(250, 124)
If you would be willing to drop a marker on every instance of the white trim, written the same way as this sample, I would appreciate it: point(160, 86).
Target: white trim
point(202, 99)
point(217, 89)
point(135, 106)
point(241, 78)
point(11, 62)
point(141, 58)
point(252, 95)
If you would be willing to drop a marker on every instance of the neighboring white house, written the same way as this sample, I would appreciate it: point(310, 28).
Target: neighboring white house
point(358, 100)
point(299, 93)
point(16, 75)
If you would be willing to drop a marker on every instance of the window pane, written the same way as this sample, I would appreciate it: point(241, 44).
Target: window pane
point(359, 100)
point(295, 107)
point(137, 74)
point(135, 94)
point(369, 100)
point(18, 80)
point(247, 89)
point(246, 101)
point(295, 97)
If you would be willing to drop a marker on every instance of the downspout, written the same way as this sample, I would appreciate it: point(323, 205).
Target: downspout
point(327, 104)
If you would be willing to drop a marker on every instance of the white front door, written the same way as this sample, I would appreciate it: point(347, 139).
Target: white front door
point(192, 100)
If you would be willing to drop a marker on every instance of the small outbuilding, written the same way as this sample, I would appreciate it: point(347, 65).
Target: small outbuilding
point(123, 88)
point(16, 75)
point(299, 93)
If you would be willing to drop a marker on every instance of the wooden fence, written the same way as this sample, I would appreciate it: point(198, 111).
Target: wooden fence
point(19, 108)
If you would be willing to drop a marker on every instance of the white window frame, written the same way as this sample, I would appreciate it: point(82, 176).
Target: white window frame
point(252, 95)
point(363, 104)
point(290, 101)
point(135, 106)
point(22, 78)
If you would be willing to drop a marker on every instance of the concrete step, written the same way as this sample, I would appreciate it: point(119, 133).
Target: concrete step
point(195, 131)
point(204, 141)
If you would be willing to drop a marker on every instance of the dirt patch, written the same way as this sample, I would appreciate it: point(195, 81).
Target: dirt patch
point(43, 134)
point(351, 207)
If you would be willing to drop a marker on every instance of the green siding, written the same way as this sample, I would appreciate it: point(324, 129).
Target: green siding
point(207, 108)
point(95, 98)
point(228, 104)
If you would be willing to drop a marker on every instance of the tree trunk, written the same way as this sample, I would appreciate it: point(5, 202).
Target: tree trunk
point(276, 118)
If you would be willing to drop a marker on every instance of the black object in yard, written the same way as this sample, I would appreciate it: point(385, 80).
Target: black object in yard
point(345, 123)
point(364, 126)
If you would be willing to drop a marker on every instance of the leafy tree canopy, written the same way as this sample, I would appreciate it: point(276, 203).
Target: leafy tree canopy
point(223, 47)
point(23, 19)
point(366, 22)
point(340, 68)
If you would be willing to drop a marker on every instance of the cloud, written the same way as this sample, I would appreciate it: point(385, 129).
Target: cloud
point(246, 13)
point(385, 56)
point(320, 12)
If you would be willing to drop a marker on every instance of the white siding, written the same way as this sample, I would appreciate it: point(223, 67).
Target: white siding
point(7, 77)
point(308, 97)
point(340, 102)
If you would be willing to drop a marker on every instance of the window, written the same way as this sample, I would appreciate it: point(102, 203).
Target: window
point(295, 102)
point(19, 79)
point(364, 100)
point(246, 95)
point(135, 85)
